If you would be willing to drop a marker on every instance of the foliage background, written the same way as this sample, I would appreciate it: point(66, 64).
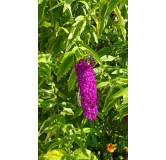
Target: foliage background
point(68, 31)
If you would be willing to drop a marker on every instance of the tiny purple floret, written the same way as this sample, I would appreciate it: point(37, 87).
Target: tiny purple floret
point(87, 84)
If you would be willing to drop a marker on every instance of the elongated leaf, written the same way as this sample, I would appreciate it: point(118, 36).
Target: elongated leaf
point(104, 51)
point(111, 5)
point(83, 27)
point(62, 95)
point(100, 115)
point(67, 63)
point(45, 94)
point(120, 93)
point(57, 45)
point(79, 142)
point(65, 29)
point(85, 3)
point(56, 154)
point(41, 10)
point(44, 70)
point(95, 55)
point(88, 130)
point(107, 58)
point(56, 143)
point(78, 112)
point(44, 58)
point(72, 80)
point(45, 24)
point(68, 105)
point(46, 104)
point(95, 37)
point(102, 84)
point(58, 5)
point(67, 5)
point(46, 124)
point(83, 154)
point(102, 20)
point(78, 19)
point(40, 1)
point(78, 26)
point(104, 13)
point(107, 99)
point(67, 111)
point(121, 22)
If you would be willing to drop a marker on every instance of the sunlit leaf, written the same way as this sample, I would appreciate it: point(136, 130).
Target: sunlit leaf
point(84, 154)
point(102, 84)
point(107, 58)
point(56, 154)
point(45, 24)
point(120, 93)
point(67, 111)
point(120, 22)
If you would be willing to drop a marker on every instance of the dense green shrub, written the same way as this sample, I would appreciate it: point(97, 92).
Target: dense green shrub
point(96, 31)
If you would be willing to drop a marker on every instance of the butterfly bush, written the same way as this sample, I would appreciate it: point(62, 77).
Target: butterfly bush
point(87, 85)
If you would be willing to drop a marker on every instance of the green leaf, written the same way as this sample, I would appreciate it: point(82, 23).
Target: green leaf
point(78, 19)
point(78, 27)
point(65, 30)
point(55, 143)
point(100, 115)
point(120, 93)
point(45, 94)
point(45, 125)
point(40, 1)
point(62, 95)
point(58, 5)
point(78, 112)
point(111, 5)
point(66, 64)
point(107, 58)
point(85, 3)
point(46, 104)
point(95, 37)
point(67, 111)
point(56, 154)
point(103, 84)
point(41, 11)
point(84, 121)
point(102, 20)
point(67, 5)
point(45, 24)
point(68, 105)
point(121, 22)
point(44, 58)
point(104, 51)
point(84, 154)
point(83, 27)
point(79, 142)
point(88, 130)
point(95, 55)
point(72, 80)
point(44, 70)
point(108, 99)
point(57, 45)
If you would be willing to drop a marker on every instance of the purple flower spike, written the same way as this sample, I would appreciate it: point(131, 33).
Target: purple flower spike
point(87, 84)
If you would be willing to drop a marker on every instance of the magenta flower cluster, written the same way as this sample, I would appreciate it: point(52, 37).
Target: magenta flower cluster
point(87, 84)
